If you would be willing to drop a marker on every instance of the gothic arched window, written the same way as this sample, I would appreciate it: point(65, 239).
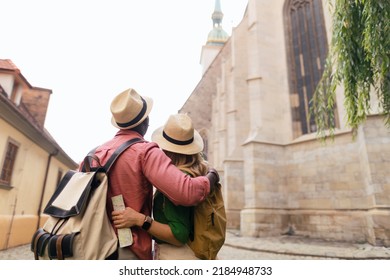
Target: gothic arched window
point(307, 47)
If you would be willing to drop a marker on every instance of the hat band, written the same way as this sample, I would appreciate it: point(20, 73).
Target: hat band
point(137, 118)
point(177, 142)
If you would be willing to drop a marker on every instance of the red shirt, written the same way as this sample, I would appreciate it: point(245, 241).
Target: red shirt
point(134, 174)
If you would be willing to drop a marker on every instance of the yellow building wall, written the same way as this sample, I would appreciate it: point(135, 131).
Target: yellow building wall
point(19, 203)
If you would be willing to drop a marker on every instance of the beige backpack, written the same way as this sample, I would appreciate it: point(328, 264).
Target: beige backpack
point(78, 226)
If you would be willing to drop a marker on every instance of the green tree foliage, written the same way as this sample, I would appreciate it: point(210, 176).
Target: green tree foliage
point(358, 60)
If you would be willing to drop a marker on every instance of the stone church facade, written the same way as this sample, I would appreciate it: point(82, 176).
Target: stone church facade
point(251, 107)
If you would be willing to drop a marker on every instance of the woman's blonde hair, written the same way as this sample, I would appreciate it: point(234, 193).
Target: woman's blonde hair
point(195, 165)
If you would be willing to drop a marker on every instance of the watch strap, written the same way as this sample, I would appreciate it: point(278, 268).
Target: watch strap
point(147, 223)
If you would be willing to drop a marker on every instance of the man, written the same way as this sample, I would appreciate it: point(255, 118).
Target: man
point(143, 166)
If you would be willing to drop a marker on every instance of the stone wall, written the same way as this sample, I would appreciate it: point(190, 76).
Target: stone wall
point(337, 190)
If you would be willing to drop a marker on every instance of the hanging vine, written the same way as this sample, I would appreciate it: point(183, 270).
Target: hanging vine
point(358, 60)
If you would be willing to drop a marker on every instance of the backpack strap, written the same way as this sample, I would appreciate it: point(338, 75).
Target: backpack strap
point(87, 162)
point(119, 151)
point(91, 155)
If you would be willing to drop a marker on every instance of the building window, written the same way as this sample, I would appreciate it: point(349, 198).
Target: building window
point(307, 47)
point(8, 164)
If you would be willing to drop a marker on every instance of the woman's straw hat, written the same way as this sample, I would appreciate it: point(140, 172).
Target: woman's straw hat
point(179, 136)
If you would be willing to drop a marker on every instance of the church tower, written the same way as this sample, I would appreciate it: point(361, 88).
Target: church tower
point(215, 40)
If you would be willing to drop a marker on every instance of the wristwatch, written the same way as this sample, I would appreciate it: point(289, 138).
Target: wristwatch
point(147, 223)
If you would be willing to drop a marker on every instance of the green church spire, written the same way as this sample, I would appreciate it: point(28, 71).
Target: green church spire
point(217, 36)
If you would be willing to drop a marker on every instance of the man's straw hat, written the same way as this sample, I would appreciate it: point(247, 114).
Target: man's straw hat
point(129, 109)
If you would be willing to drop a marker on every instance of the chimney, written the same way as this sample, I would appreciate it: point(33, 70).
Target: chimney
point(36, 101)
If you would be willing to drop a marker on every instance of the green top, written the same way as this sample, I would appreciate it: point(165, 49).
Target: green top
point(179, 218)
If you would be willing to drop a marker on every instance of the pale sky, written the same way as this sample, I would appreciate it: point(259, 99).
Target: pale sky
point(88, 51)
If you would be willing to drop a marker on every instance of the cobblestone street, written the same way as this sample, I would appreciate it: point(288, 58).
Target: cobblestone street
point(226, 253)
point(272, 248)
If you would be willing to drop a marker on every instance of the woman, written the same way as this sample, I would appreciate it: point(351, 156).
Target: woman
point(173, 225)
